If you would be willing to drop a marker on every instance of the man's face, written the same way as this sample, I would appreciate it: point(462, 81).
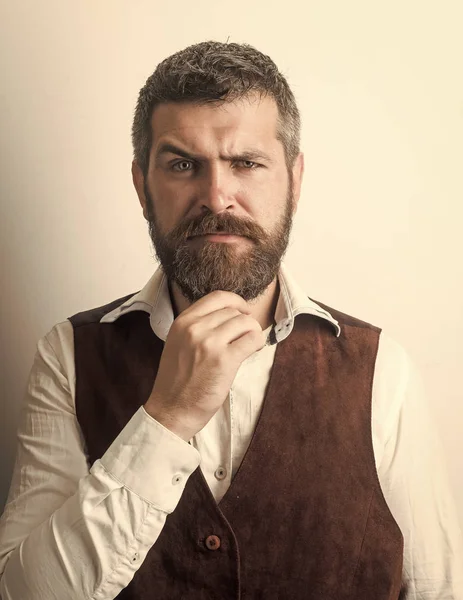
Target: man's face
point(218, 169)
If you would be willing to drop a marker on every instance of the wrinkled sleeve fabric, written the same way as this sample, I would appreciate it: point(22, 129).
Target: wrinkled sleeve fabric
point(73, 530)
point(414, 479)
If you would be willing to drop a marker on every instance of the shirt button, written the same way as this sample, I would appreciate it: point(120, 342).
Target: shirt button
point(212, 542)
point(221, 473)
point(176, 479)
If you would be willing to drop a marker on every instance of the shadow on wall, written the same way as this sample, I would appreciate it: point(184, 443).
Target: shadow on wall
point(24, 281)
point(19, 337)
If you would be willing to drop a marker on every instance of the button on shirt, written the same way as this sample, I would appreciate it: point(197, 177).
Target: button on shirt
point(94, 524)
point(221, 473)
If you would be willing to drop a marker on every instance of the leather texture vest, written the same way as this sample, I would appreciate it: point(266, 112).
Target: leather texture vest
point(304, 517)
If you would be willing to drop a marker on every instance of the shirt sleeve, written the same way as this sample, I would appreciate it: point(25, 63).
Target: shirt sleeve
point(414, 478)
point(93, 526)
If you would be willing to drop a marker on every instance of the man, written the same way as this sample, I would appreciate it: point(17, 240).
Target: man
point(219, 434)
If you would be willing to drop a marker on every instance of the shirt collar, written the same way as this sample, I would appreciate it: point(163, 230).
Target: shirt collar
point(154, 299)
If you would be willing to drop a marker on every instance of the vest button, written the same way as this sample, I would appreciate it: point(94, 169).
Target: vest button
point(212, 542)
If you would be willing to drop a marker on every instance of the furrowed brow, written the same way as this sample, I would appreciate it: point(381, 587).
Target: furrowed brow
point(171, 149)
point(253, 155)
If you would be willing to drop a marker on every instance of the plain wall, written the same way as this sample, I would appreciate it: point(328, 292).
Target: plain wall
point(378, 230)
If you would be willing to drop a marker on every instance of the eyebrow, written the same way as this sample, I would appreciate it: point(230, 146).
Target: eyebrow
point(251, 154)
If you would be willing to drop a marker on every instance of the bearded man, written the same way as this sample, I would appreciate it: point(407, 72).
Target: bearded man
point(219, 434)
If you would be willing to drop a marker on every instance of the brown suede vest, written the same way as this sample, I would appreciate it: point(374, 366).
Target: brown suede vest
point(304, 517)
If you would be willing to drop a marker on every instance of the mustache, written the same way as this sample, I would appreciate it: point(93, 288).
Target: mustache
point(212, 223)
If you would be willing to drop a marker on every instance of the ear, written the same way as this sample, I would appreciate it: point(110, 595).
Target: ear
point(298, 173)
point(139, 184)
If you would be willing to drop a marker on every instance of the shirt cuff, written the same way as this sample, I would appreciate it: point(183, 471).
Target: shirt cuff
point(151, 461)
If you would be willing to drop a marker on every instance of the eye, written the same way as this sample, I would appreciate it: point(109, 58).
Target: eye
point(182, 166)
point(248, 164)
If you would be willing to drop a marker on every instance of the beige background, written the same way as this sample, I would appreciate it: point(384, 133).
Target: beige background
point(378, 231)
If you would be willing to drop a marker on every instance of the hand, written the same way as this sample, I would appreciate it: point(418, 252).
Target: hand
point(203, 351)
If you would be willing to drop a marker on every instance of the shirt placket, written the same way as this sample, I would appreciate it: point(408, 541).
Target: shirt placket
point(232, 433)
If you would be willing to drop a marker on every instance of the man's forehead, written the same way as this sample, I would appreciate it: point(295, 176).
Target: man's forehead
point(253, 117)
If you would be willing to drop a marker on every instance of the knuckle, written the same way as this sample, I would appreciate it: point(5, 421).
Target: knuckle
point(251, 322)
point(255, 335)
point(192, 333)
point(178, 323)
point(209, 347)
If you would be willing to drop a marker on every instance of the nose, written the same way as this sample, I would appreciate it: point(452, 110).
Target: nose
point(217, 193)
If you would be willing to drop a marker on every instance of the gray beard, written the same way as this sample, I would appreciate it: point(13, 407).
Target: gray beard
point(220, 266)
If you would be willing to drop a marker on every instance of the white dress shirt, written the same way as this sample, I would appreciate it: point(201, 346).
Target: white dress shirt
point(71, 530)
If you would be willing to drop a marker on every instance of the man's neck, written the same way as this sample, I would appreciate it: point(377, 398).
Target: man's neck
point(262, 309)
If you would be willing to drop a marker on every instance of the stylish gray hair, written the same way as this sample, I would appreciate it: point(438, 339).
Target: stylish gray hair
point(215, 72)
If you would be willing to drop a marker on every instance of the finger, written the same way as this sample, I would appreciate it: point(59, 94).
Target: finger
point(234, 328)
point(211, 321)
point(245, 346)
point(216, 300)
